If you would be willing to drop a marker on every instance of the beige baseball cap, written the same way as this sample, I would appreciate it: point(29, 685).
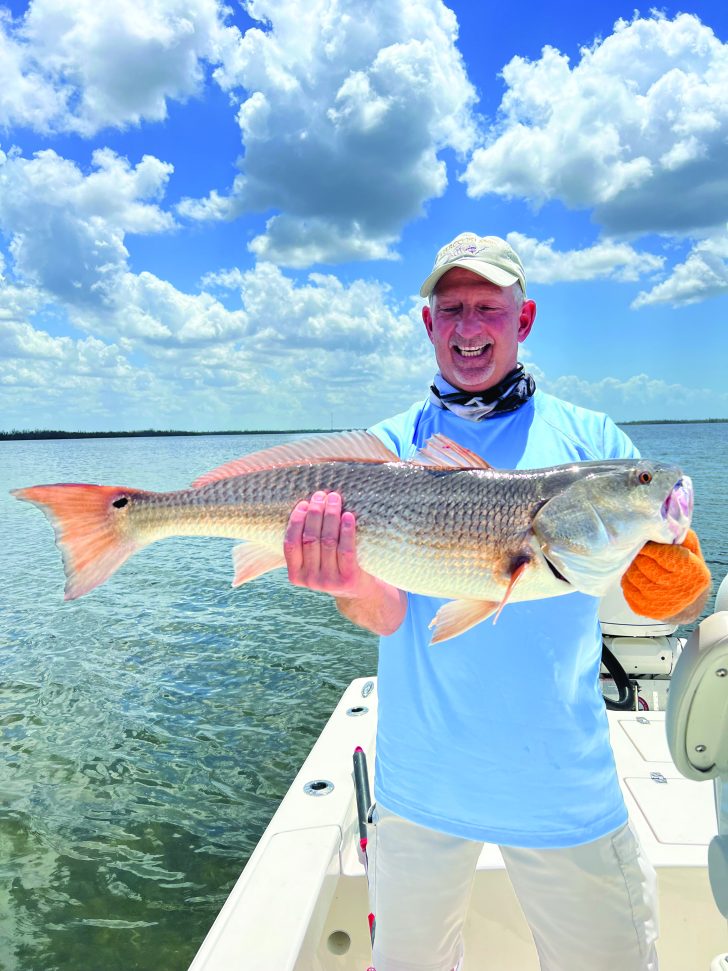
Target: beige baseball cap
point(488, 256)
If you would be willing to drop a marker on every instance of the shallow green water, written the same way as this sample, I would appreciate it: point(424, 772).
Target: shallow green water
point(149, 730)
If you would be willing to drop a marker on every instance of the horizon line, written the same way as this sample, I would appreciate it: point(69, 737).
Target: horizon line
point(49, 434)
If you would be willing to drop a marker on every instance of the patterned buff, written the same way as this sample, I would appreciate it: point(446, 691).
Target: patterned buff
point(510, 393)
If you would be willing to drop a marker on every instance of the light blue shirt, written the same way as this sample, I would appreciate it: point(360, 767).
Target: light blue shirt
point(500, 734)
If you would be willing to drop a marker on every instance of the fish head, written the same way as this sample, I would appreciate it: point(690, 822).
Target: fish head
point(593, 528)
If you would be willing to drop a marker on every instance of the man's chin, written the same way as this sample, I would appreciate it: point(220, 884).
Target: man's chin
point(472, 379)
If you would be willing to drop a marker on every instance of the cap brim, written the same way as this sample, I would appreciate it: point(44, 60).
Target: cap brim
point(494, 274)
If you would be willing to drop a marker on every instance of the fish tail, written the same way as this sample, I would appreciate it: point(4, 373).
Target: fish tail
point(92, 530)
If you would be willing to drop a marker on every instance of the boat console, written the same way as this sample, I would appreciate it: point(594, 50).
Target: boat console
point(638, 656)
point(697, 732)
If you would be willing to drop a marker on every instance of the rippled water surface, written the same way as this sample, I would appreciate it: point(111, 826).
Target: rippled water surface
point(149, 729)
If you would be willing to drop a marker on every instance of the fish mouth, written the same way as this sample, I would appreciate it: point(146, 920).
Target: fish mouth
point(474, 350)
point(677, 509)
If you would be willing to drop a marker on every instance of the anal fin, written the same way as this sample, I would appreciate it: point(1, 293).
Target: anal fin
point(457, 616)
point(251, 561)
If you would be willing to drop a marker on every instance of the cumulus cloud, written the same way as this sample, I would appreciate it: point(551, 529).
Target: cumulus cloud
point(326, 340)
point(299, 243)
point(607, 259)
point(346, 107)
point(155, 347)
point(19, 340)
point(637, 129)
point(637, 397)
point(17, 302)
point(277, 320)
point(151, 310)
point(703, 274)
point(43, 375)
point(322, 313)
point(86, 65)
point(26, 96)
point(67, 229)
point(351, 349)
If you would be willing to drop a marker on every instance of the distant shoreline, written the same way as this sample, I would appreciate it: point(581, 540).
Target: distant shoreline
point(50, 434)
point(676, 421)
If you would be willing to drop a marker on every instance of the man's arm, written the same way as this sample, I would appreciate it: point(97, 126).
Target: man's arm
point(320, 551)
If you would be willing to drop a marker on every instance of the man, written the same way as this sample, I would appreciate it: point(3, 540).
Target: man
point(499, 735)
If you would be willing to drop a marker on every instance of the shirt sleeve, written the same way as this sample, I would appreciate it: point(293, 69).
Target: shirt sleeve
point(618, 445)
point(397, 432)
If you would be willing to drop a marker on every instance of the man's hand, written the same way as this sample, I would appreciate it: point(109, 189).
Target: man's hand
point(320, 551)
point(320, 546)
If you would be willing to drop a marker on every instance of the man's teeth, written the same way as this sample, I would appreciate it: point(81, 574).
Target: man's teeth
point(471, 351)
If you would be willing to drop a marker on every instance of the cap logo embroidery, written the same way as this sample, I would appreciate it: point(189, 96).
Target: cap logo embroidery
point(468, 250)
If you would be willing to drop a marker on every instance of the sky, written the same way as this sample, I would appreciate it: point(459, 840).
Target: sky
point(219, 216)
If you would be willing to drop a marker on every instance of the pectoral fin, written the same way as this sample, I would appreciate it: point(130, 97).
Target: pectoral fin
point(518, 571)
point(251, 561)
point(457, 616)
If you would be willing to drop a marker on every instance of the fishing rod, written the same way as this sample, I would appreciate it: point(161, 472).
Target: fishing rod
point(363, 802)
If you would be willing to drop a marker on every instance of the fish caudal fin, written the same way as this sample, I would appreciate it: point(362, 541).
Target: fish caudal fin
point(92, 530)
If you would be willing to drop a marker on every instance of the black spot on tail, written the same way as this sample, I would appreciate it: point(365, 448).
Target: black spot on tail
point(120, 502)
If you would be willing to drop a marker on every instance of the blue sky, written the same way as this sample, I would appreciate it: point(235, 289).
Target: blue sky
point(218, 217)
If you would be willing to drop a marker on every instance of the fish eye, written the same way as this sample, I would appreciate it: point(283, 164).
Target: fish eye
point(644, 477)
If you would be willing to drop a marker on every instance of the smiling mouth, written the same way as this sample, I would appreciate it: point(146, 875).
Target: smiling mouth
point(472, 351)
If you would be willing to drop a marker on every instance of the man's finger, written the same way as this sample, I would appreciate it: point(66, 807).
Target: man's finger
point(330, 537)
point(292, 549)
point(346, 550)
point(311, 538)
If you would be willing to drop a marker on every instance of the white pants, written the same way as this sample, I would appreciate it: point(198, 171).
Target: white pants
point(589, 907)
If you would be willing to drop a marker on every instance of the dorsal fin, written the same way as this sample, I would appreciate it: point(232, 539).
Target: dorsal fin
point(342, 447)
point(439, 451)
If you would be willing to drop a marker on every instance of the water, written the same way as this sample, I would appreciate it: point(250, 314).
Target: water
point(150, 729)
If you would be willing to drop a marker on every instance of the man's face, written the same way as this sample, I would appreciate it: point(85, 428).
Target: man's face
point(475, 328)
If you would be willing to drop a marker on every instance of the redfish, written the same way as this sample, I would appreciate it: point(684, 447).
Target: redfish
point(444, 524)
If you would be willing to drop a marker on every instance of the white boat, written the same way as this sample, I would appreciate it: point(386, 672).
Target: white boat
point(300, 904)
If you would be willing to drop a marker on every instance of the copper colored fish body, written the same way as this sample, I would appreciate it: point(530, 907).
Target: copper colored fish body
point(445, 525)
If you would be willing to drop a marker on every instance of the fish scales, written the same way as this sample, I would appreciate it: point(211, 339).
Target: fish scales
point(469, 525)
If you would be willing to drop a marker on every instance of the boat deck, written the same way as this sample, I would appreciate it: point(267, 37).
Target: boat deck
point(301, 904)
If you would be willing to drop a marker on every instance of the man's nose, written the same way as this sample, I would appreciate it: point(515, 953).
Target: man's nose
point(469, 320)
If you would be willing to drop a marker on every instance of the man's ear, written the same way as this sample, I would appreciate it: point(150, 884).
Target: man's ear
point(427, 320)
point(526, 319)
